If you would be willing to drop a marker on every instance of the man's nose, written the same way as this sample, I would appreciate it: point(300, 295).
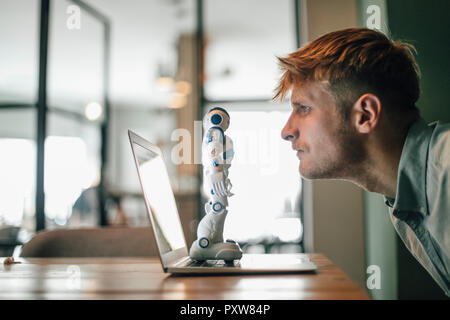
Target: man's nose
point(289, 132)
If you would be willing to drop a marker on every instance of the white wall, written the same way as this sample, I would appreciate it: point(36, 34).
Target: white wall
point(338, 226)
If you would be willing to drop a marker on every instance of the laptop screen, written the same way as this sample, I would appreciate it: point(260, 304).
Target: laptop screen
point(160, 200)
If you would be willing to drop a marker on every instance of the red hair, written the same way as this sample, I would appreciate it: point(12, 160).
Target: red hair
point(354, 61)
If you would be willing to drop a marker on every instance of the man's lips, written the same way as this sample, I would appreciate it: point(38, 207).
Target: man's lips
point(299, 148)
point(299, 153)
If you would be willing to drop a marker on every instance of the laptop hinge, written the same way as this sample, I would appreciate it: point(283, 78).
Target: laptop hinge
point(183, 261)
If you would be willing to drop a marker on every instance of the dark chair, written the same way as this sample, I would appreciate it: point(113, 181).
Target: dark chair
point(95, 242)
point(8, 240)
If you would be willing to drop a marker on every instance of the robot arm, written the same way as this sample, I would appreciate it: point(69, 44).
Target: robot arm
point(217, 156)
point(217, 184)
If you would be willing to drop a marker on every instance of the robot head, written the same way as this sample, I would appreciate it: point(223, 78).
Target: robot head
point(216, 117)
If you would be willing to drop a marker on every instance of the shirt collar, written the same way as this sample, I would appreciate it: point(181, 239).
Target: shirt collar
point(412, 169)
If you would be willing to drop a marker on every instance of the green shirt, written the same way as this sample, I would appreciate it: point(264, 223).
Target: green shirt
point(421, 210)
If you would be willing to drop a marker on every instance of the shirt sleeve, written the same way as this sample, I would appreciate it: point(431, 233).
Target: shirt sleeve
point(438, 192)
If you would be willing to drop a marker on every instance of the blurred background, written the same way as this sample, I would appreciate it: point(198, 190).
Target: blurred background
point(76, 75)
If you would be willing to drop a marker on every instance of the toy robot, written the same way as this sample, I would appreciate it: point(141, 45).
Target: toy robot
point(217, 153)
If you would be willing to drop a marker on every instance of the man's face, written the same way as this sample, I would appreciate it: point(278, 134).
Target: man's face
point(325, 144)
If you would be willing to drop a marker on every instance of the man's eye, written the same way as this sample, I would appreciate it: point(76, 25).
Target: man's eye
point(303, 109)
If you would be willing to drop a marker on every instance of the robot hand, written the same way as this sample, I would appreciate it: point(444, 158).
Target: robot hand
point(229, 186)
point(218, 185)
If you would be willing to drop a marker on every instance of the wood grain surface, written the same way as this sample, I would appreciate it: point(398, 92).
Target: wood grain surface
point(143, 278)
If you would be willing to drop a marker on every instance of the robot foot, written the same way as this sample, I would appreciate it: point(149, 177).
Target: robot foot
point(227, 251)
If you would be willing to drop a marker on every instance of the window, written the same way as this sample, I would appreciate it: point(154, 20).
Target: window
point(68, 171)
point(72, 136)
point(18, 167)
point(265, 207)
point(19, 36)
point(17, 180)
point(75, 60)
point(243, 39)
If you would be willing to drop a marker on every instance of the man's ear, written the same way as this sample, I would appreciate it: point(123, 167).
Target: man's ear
point(366, 113)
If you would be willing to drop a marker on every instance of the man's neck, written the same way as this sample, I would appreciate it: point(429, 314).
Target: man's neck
point(380, 170)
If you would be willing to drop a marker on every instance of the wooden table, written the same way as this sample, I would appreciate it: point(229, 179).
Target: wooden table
point(142, 278)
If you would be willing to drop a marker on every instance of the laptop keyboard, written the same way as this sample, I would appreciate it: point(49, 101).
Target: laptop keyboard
point(214, 264)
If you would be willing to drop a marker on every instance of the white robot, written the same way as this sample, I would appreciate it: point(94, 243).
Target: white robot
point(217, 153)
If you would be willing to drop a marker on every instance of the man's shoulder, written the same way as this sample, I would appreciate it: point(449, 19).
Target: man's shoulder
point(440, 127)
point(440, 145)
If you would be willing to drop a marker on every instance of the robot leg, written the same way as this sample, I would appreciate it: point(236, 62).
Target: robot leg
point(209, 243)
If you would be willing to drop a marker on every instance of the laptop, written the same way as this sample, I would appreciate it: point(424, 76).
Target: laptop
point(165, 221)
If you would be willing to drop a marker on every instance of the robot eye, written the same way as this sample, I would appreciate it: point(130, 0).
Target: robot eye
point(216, 119)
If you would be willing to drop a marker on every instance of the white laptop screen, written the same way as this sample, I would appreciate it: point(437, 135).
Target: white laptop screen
point(160, 200)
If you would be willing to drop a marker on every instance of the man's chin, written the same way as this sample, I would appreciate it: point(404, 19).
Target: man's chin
point(311, 173)
point(305, 173)
point(307, 176)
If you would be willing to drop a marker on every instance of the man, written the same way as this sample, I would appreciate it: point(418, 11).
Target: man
point(354, 118)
